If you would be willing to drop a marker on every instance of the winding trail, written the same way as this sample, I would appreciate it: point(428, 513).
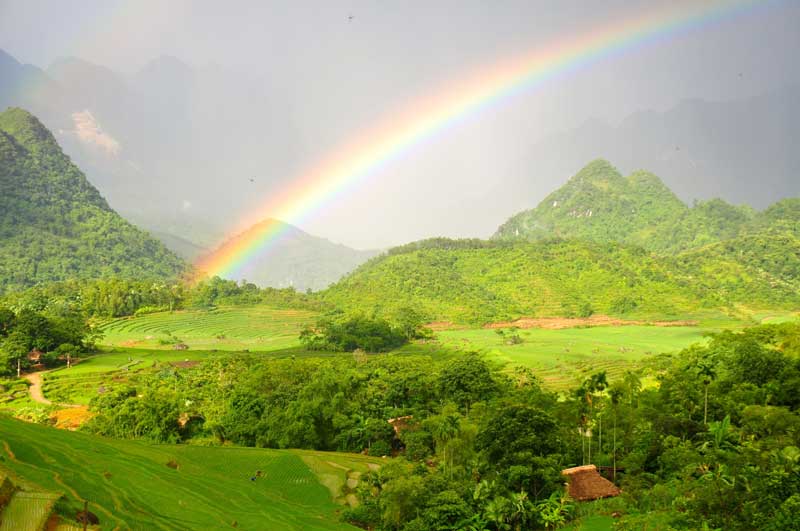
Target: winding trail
point(35, 389)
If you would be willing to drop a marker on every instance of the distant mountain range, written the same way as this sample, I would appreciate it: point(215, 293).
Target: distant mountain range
point(298, 259)
point(170, 143)
point(603, 243)
point(742, 151)
point(54, 225)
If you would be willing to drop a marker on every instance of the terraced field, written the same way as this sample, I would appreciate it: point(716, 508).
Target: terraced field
point(134, 485)
point(256, 328)
point(28, 511)
point(563, 358)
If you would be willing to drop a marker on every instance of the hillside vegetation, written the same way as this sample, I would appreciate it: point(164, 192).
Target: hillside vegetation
point(569, 279)
point(54, 225)
point(603, 243)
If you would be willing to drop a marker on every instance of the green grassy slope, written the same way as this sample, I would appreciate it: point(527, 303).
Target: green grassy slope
point(54, 224)
point(564, 358)
point(551, 278)
point(27, 511)
point(129, 485)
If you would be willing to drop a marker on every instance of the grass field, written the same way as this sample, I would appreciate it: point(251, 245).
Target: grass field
point(563, 358)
point(255, 328)
point(129, 484)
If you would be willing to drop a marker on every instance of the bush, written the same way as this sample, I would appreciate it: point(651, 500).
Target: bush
point(380, 449)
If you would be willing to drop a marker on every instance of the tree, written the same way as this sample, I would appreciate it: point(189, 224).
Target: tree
point(707, 372)
point(467, 380)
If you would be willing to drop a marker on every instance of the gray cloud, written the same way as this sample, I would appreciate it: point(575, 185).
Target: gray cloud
point(278, 87)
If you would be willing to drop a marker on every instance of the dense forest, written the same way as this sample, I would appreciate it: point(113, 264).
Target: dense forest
point(715, 443)
point(54, 225)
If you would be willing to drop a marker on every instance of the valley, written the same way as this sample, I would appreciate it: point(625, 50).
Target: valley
point(618, 352)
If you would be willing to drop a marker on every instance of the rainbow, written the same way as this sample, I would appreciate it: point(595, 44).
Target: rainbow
point(426, 118)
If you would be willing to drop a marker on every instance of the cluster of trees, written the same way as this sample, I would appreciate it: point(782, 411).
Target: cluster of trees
point(342, 333)
point(55, 336)
point(714, 443)
point(119, 298)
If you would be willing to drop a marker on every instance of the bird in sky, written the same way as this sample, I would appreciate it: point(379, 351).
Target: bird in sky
point(252, 180)
point(350, 18)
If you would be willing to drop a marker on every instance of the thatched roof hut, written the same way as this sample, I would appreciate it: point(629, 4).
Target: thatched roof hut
point(584, 483)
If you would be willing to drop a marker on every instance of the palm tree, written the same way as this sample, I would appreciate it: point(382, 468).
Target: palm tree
point(445, 431)
point(706, 370)
point(616, 395)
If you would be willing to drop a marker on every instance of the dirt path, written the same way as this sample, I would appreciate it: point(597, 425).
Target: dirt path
point(35, 389)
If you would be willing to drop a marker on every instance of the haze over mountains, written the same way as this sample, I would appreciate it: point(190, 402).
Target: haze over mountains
point(183, 151)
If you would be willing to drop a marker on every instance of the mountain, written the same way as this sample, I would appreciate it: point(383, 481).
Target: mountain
point(167, 142)
point(599, 204)
point(603, 243)
point(54, 224)
point(297, 259)
point(739, 150)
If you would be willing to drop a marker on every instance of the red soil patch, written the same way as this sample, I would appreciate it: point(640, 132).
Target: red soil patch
point(438, 326)
point(71, 418)
point(557, 323)
point(129, 343)
point(184, 364)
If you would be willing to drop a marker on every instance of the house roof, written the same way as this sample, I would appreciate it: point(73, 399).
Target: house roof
point(585, 483)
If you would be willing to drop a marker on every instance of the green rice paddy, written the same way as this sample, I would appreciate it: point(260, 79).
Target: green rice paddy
point(134, 485)
point(255, 328)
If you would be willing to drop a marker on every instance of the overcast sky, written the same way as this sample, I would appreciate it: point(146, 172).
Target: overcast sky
point(339, 75)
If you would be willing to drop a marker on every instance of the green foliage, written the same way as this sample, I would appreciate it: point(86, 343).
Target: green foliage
point(568, 278)
point(53, 336)
point(353, 333)
point(54, 225)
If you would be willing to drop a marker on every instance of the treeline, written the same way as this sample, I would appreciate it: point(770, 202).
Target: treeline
point(119, 298)
point(714, 443)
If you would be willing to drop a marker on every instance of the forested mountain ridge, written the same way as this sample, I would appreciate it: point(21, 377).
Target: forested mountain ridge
point(603, 243)
point(499, 281)
point(599, 204)
point(54, 224)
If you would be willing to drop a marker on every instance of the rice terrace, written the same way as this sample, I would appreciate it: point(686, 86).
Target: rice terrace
point(530, 265)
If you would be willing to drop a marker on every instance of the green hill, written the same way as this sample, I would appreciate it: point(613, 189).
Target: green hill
point(498, 281)
point(54, 225)
point(599, 204)
point(135, 485)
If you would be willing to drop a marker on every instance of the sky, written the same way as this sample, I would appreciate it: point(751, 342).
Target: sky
point(333, 69)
